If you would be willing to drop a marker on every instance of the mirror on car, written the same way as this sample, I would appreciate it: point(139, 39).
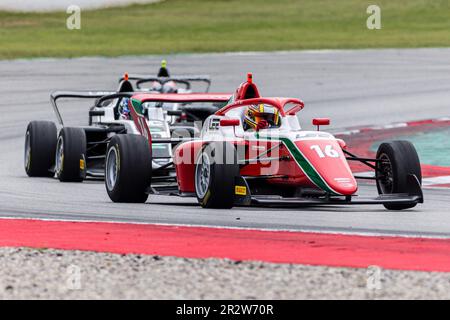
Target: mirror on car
point(229, 122)
point(321, 122)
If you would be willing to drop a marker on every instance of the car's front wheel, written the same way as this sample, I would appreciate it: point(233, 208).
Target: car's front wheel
point(215, 175)
point(128, 168)
point(396, 161)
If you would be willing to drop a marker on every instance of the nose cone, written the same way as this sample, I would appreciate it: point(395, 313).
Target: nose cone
point(344, 186)
point(326, 166)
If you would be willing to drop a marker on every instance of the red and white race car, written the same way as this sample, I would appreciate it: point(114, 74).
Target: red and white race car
point(242, 158)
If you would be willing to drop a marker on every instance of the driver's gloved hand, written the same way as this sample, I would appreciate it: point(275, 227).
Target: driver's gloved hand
point(263, 124)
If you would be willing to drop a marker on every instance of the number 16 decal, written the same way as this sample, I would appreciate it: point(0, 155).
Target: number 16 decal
point(328, 152)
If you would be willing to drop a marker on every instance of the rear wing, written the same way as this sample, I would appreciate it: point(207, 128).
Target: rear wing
point(186, 80)
point(101, 95)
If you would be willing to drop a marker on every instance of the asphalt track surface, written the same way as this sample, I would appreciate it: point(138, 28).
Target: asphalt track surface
point(363, 87)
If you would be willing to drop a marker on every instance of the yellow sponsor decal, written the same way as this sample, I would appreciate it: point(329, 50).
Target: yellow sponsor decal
point(82, 164)
point(205, 199)
point(240, 190)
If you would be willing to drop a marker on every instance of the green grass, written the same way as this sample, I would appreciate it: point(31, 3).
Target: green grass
point(175, 26)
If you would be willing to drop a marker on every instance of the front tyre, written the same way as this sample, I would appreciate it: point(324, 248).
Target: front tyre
point(128, 169)
point(397, 160)
point(40, 146)
point(215, 175)
point(70, 158)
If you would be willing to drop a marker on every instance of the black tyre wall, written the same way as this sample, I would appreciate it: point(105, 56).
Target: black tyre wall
point(42, 135)
point(135, 168)
point(224, 170)
point(74, 163)
point(404, 161)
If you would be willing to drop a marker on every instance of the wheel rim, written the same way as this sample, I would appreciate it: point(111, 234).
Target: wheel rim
point(59, 159)
point(385, 175)
point(202, 175)
point(112, 169)
point(27, 155)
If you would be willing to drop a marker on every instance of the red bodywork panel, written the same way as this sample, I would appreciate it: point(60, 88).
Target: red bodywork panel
point(288, 170)
point(184, 160)
point(328, 160)
point(246, 90)
point(334, 171)
point(141, 124)
point(247, 93)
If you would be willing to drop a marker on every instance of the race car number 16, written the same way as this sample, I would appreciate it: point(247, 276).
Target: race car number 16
point(328, 152)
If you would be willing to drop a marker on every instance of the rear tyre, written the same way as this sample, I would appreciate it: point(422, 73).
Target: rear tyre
point(128, 169)
point(40, 146)
point(399, 159)
point(215, 175)
point(70, 158)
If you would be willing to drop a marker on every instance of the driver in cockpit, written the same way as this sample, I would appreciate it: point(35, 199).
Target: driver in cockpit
point(261, 116)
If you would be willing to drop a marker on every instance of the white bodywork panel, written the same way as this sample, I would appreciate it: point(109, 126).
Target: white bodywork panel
point(157, 120)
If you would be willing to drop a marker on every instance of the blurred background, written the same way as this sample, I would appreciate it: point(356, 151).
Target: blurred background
point(174, 26)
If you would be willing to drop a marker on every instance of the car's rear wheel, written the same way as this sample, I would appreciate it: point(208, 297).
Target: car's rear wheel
point(128, 168)
point(40, 145)
point(397, 160)
point(215, 175)
point(70, 158)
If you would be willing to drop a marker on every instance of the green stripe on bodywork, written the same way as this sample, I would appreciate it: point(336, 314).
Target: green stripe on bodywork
point(306, 166)
point(136, 105)
point(302, 162)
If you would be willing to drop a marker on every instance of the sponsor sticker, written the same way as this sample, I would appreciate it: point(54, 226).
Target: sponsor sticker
point(258, 148)
point(240, 190)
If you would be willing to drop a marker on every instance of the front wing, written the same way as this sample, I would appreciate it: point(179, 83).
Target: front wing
point(414, 196)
